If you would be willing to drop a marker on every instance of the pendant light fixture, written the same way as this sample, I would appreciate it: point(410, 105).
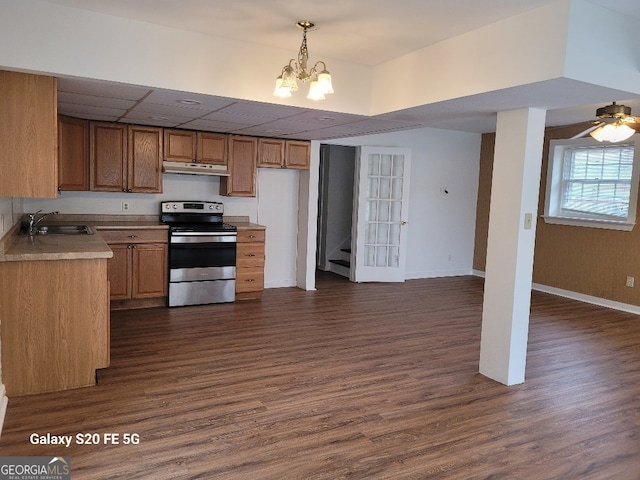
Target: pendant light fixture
point(287, 81)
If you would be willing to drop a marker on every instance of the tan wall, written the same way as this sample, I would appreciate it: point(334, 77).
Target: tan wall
point(590, 261)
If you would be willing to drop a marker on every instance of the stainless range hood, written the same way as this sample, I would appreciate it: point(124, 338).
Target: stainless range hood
point(195, 169)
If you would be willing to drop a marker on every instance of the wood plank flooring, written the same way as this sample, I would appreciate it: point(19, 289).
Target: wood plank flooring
point(353, 381)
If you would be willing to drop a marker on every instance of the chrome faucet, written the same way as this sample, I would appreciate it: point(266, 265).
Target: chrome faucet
point(33, 222)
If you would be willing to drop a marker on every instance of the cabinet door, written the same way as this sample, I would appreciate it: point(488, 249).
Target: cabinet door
point(297, 154)
point(107, 156)
point(149, 270)
point(212, 148)
point(179, 146)
point(241, 181)
point(144, 168)
point(271, 153)
point(73, 154)
point(119, 271)
point(28, 135)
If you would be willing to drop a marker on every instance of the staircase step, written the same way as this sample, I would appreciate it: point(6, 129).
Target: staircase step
point(344, 263)
point(347, 250)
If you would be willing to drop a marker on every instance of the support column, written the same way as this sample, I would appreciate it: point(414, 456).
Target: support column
point(510, 245)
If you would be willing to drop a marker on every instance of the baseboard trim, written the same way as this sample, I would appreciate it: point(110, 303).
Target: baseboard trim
point(438, 274)
point(4, 401)
point(581, 297)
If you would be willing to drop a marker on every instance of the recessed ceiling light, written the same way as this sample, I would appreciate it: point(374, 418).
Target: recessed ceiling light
point(188, 101)
point(326, 119)
point(159, 118)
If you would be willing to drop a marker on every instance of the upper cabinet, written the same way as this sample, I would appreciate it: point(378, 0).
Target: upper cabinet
point(278, 153)
point(195, 147)
point(241, 181)
point(28, 135)
point(73, 154)
point(107, 154)
point(179, 145)
point(144, 165)
point(271, 153)
point(211, 148)
point(297, 154)
point(125, 158)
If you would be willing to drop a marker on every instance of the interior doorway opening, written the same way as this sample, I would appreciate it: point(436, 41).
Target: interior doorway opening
point(335, 208)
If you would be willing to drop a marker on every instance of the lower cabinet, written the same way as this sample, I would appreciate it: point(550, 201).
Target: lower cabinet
point(250, 264)
point(137, 272)
point(55, 324)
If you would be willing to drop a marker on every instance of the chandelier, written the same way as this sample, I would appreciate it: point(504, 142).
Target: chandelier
point(287, 81)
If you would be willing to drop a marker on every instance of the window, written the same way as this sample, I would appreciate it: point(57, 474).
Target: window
point(592, 184)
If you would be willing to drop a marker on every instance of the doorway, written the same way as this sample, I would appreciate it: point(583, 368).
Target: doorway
point(335, 208)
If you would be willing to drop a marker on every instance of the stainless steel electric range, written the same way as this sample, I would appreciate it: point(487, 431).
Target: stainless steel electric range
point(202, 253)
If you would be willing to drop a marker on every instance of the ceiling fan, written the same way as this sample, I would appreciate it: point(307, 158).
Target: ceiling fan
point(615, 125)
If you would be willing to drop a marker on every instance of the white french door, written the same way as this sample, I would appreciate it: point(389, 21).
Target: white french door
point(379, 239)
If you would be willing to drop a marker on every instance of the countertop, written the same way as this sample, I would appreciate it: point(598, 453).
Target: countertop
point(15, 247)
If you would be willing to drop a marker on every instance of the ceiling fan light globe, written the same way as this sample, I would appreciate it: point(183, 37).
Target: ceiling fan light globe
point(613, 132)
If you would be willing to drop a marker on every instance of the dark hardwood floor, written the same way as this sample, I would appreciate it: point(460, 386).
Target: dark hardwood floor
point(353, 381)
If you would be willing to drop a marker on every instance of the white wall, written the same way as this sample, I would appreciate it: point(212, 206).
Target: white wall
point(441, 226)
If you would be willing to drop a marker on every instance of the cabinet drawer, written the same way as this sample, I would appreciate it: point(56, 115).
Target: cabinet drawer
point(245, 236)
point(249, 279)
point(250, 255)
point(133, 235)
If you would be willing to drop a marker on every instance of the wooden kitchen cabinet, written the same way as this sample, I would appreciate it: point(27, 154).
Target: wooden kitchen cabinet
point(195, 147)
point(211, 148)
point(241, 181)
point(144, 161)
point(55, 324)
point(73, 154)
point(279, 153)
point(271, 153)
point(107, 156)
point(28, 135)
point(125, 158)
point(250, 255)
point(137, 271)
point(297, 154)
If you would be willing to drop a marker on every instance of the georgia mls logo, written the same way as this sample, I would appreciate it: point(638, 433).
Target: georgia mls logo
point(35, 468)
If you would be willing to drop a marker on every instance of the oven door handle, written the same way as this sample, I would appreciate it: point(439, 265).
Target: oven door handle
point(200, 238)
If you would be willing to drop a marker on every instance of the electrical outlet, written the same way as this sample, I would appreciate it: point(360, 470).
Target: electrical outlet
point(528, 221)
point(630, 281)
point(125, 206)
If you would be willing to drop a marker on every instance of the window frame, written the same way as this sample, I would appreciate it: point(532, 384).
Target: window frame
point(553, 209)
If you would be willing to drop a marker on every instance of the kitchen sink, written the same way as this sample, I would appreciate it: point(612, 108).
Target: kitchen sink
point(58, 230)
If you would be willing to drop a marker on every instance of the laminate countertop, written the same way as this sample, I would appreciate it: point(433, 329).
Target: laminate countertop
point(16, 248)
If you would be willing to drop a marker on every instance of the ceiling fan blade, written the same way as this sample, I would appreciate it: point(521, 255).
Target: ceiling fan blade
point(588, 130)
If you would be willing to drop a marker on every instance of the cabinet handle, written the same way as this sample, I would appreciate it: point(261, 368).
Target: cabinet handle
point(250, 280)
point(251, 254)
point(252, 236)
point(133, 236)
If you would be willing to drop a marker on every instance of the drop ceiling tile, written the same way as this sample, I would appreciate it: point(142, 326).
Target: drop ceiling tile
point(262, 110)
point(101, 89)
point(211, 125)
point(174, 98)
point(157, 119)
point(93, 101)
point(89, 111)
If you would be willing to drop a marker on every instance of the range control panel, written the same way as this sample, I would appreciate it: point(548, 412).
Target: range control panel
point(192, 207)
